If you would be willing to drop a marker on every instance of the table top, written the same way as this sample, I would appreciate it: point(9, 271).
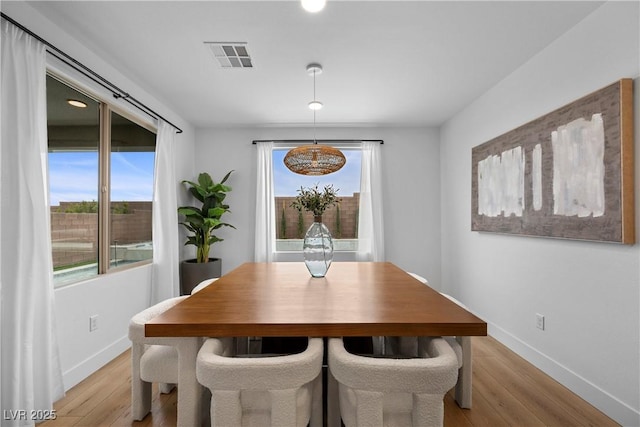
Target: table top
point(282, 299)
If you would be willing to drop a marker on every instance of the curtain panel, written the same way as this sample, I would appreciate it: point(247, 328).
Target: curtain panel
point(30, 370)
point(370, 219)
point(165, 281)
point(265, 234)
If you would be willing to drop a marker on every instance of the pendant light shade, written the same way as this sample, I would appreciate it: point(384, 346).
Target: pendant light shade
point(314, 159)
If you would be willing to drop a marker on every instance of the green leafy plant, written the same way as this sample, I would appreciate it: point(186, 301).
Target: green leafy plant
point(120, 208)
point(338, 232)
point(283, 225)
point(300, 233)
point(80, 207)
point(203, 221)
point(314, 200)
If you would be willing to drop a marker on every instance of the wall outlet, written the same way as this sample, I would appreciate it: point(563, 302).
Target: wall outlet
point(539, 321)
point(93, 323)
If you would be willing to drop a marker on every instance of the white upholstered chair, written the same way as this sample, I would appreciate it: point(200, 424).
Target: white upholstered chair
point(383, 391)
point(200, 286)
point(152, 359)
point(277, 391)
point(419, 277)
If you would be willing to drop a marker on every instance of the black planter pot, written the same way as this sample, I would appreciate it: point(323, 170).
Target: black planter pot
point(192, 273)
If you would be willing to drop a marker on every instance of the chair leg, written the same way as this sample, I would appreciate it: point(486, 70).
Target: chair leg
point(428, 410)
point(226, 409)
point(316, 403)
point(140, 390)
point(283, 407)
point(369, 408)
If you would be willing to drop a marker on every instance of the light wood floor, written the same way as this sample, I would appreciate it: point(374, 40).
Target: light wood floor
point(507, 391)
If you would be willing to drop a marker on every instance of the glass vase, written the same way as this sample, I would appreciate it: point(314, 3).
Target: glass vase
point(318, 248)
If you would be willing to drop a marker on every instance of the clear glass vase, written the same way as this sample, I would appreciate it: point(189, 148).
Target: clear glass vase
point(318, 248)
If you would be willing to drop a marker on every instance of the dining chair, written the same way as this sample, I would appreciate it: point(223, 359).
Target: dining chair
point(386, 391)
point(152, 359)
point(257, 390)
point(200, 286)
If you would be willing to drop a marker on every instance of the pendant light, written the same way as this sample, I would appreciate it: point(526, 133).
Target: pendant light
point(314, 159)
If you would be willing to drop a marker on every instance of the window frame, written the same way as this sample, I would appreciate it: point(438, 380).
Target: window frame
point(294, 255)
point(104, 172)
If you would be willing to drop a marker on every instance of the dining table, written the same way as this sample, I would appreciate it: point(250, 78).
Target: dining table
point(281, 299)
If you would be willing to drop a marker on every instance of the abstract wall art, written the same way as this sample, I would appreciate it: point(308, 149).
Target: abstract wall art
point(568, 174)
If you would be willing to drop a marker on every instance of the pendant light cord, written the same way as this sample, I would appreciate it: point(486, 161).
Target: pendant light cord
point(314, 111)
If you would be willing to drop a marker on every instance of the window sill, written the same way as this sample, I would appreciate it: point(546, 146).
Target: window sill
point(296, 256)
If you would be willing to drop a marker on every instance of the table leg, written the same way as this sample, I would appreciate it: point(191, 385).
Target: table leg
point(333, 401)
point(189, 390)
point(463, 386)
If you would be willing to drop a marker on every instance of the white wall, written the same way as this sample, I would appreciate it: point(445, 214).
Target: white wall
point(411, 189)
point(589, 293)
point(113, 297)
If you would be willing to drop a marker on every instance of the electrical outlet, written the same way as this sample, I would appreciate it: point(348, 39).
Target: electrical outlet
point(539, 321)
point(93, 323)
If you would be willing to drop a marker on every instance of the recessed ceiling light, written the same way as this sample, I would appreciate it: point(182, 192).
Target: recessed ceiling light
point(313, 5)
point(76, 103)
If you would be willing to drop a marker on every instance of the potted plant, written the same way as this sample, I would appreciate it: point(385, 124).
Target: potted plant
point(318, 244)
point(202, 222)
point(314, 200)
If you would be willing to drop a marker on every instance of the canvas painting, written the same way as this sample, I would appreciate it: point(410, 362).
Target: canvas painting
point(567, 174)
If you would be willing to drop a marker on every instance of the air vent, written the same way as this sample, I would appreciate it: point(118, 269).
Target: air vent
point(231, 55)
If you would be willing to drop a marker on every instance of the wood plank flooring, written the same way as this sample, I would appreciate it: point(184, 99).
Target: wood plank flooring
point(507, 391)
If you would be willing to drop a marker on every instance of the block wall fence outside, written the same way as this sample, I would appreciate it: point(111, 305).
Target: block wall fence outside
point(74, 236)
point(347, 229)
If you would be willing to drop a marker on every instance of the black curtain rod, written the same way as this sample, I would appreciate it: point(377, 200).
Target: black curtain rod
point(327, 141)
point(87, 72)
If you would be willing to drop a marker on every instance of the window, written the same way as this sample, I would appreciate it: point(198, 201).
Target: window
point(92, 147)
point(341, 220)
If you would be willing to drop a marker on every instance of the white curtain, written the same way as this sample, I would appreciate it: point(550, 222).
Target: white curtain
point(165, 277)
point(265, 234)
point(370, 221)
point(30, 370)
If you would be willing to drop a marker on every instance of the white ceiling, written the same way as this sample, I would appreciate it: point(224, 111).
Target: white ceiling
point(385, 62)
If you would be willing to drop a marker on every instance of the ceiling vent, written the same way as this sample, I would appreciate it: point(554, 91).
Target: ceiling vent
point(231, 55)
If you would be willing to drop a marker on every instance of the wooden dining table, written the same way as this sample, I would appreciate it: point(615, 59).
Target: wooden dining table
point(282, 299)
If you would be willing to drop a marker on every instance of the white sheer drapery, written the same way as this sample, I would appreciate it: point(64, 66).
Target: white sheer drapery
point(265, 234)
point(370, 220)
point(165, 273)
point(30, 371)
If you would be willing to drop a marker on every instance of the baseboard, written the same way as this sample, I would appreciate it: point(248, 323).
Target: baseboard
point(90, 365)
point(605, 402)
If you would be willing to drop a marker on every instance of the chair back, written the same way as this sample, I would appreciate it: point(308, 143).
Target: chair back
point(277, 391)
point(387, 391)
point(200, 286)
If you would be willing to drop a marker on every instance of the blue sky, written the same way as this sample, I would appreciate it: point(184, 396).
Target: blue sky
point(73, 176)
